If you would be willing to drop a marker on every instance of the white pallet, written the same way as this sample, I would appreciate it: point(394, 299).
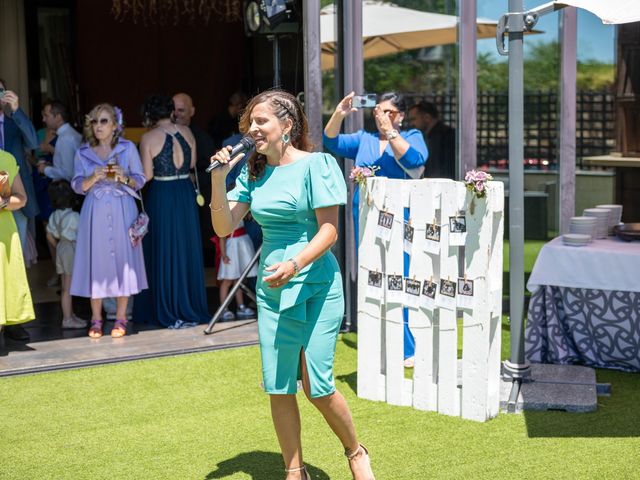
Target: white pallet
point(437, 384)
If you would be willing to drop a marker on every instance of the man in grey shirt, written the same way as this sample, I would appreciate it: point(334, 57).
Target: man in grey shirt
point(55, 116)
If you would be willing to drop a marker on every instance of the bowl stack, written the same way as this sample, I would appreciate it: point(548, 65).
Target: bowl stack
point(615, 217)
point(576, 239)
point(602, 220)
point(583, 226)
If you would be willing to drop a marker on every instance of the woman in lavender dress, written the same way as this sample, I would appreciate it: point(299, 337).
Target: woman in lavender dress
point(109, 172)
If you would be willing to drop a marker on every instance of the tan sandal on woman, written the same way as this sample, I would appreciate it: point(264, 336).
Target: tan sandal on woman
point(302, 469)
point(119, 329)
point(96, 327)
point(361, 450)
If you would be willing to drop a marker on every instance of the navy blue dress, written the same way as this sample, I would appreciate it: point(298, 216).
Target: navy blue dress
point(175, 269)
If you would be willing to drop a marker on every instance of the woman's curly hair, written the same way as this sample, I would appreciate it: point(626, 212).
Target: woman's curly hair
point(93, 115)
point(284, 106)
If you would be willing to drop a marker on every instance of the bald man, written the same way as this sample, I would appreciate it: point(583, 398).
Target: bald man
point(183, 113)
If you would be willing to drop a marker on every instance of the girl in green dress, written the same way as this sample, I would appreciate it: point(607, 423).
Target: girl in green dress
point(294, 195)
point(15, 297)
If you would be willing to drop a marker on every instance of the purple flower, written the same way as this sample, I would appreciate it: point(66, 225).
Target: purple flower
point(119, 119)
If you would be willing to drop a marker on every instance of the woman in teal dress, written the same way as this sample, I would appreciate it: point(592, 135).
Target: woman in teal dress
point(294, 195)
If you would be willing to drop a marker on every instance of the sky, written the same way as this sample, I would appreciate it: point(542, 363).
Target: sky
point(595, 40)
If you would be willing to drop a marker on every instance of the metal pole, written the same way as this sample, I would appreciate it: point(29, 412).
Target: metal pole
point(467, 115)
point(516, 367)
point(312, 71)
point(567, 162)
point(353, 70)
point(276, 60)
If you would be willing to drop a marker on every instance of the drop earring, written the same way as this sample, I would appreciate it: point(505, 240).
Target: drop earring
point(285, 137)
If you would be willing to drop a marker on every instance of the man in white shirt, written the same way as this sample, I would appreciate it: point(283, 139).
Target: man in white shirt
point(55, 116)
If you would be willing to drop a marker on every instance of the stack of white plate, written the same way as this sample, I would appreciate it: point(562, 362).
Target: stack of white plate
point(575, 239)
point(602, 220)
point(615, 217)
point(583, 226)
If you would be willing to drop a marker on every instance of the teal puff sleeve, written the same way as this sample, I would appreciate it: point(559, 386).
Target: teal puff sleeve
point(241, 192)
point(326, 183)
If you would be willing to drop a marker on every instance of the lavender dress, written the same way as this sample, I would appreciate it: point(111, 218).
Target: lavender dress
point(106, 265)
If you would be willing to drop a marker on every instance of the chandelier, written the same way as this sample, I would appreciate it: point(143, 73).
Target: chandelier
point(175, 12)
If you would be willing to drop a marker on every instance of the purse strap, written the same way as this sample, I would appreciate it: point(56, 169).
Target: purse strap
point(141, 201)
point(195, 175)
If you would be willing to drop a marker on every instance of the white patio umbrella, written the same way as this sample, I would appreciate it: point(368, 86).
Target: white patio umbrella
point(612, 12)
point(388, 28)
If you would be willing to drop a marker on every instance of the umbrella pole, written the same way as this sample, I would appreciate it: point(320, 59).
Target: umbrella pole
point(515, 23)
point(516, 367)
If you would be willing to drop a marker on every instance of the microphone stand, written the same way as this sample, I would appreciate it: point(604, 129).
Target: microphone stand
point(232, 292)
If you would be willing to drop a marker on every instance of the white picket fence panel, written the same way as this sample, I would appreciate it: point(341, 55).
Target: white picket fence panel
point(441, 382)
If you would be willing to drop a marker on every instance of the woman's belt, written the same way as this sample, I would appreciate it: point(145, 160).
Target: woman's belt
point(172, 177)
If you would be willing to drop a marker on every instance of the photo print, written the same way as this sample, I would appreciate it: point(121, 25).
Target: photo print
point(394, 282)
point(447, 288)
point(446, 297)
point(465, 287)
point(428, 296)
point(412, 290)
point(385, 225)
point(457, 230)
point(465, 293)
point(458, 224)
point(375, 288)
point(432, 232)
point(375, 279)
point(408, 238)
point(395, 291)
point(432, 236)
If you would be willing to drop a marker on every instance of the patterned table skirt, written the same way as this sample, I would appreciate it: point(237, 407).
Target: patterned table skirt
point(596, 328)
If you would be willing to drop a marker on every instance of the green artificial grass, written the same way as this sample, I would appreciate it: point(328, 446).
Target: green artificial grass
point(531, 250)
point(203, 416)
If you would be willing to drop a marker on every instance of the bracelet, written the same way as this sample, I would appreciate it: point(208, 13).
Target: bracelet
point(296, 269)
point(391, 134)
point(217, 209)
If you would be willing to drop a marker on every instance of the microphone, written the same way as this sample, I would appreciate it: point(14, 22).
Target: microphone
point(243, 146)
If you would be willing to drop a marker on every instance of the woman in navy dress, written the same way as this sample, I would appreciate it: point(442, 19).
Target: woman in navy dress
point(175, 271)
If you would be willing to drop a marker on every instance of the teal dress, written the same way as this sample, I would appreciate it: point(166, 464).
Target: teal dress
point(305, 313)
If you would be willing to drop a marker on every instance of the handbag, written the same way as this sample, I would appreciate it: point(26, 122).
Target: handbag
point(139, 227)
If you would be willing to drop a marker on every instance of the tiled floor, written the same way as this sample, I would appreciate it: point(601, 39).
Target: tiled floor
point(52, 348)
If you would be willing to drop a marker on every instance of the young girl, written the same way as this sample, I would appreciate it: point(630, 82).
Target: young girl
point(62, 231)
point(236, 252)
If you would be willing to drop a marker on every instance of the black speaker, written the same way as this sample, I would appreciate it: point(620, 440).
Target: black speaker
point(271, 17)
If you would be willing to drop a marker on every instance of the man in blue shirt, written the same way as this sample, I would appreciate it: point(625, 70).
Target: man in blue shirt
point(55, 116)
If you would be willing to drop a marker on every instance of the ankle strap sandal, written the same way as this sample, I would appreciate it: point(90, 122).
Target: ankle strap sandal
point(365, 453)
point(302, 469)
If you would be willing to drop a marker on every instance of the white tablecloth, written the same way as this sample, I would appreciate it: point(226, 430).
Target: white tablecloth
point(607, 264)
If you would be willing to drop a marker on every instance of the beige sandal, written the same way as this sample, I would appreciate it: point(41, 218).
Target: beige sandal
point(299, 469)
point(365, 452)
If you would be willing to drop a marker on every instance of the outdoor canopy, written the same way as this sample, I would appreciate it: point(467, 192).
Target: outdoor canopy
point(609, 11)
point(388, 28)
